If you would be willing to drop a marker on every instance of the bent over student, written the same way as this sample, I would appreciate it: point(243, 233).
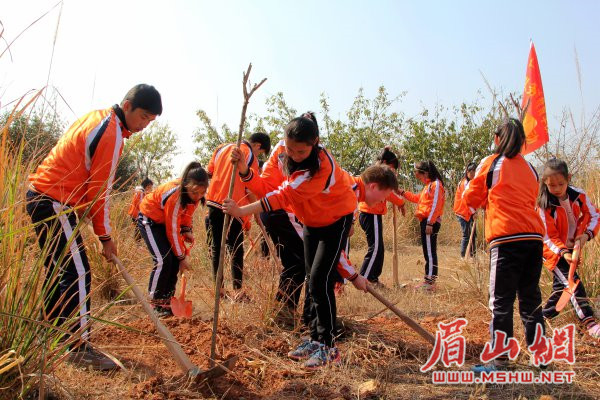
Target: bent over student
point(77, 176)
point(319, 193)
point(506, 185)
point(165, 223)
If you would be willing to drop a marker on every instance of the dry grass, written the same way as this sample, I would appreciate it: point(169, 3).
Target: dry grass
point(376, 346)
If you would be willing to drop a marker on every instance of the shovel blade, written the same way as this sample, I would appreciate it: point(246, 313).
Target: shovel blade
point(218, 370)
point(566, 296)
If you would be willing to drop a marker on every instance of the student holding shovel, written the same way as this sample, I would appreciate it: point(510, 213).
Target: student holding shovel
point(220, 170)
point(507, 186)
point(569, 216)
point(320, 195)
point(371, 221)
point(77, 177)
point(165, 223)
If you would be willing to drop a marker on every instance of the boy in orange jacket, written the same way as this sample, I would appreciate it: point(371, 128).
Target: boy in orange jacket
point(77, 176)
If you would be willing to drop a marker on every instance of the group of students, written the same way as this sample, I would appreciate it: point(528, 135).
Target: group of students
point(307, 204)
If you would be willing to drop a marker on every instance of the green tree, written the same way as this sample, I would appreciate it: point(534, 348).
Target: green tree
point(148, 154)
point(370, 125)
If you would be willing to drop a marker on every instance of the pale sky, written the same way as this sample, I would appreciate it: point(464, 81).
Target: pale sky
point(194, 52)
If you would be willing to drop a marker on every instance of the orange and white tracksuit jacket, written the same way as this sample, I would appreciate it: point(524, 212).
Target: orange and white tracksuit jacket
point(381, 207)
point(81, 167)
point(460, 208)
point(556, 221)
point(317, 201)
point(330, 186)
point(163, 206)
point(134, 208)
point(220, 168)
point(508, 189)
point(430, 202)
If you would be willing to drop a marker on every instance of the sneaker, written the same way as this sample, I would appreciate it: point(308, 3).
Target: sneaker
point(163, 312)
point(490, 367)
point(426, 286)
point(304, 350)
point(323, 356)
point(594, 331)
point(88, 357)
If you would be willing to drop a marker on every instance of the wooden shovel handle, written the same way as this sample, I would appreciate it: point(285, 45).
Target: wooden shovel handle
point(183, 361)
point(409, 321)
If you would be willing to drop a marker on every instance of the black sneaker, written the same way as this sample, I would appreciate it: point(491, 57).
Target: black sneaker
point(88, 357)
point(163, 312)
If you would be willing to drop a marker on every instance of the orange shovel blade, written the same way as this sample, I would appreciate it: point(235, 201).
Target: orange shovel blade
point(569, 291)
point(179, 305)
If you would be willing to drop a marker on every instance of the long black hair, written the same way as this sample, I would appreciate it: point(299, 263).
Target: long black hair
point(511, 137)
point(470, 167)
point(303, 129)
point(388, 157)
point(552, 166)
point(193, 173)
point(429, 167)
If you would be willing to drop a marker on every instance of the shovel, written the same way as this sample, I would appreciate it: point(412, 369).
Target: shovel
point(569, 291)
point(194, 372)
point(414, 325)
point(179, 305)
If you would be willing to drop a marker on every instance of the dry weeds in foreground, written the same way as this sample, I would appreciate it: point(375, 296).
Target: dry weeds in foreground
point(374, 347)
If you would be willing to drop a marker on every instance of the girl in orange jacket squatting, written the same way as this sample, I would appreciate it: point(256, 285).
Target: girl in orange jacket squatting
point(319, 193)
point(569, 216)
point(370, 219)
point(430, 207)
point(165, 223)
point(463, 214)
point(507, 186)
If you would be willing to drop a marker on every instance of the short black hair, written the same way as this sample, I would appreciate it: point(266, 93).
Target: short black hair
point(263, 139)
point(145, 97)
point(388, 157)
point(147, 182)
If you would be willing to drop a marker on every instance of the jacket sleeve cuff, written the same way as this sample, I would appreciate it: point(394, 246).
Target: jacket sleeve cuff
point(181, 257)
point(249, 175)
point(590, 234)
point(186, 229)
point(104, 238)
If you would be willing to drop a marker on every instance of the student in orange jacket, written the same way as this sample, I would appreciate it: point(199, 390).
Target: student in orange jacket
point(430, 207)
point(463, 213)
point(134, 208)
point(569, 216)
point(219, 169)
point(139, 193)
point(76, 177)
point(320, 195)
point(506, 185)
point(165, 223)
point(370, 219)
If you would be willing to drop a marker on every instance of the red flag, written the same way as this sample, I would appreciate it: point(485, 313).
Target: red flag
point(534, 122)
